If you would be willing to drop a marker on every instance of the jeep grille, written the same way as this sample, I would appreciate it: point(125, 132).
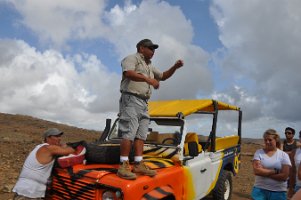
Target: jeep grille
point(63, 188)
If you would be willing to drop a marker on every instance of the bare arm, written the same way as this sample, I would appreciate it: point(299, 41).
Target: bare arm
point(283, 174)
point(260, 171)
point(297, 196)
point(292, 170)
point(292, 175)
point(47, 153)
point(59, 150)
point(299, 172)
point(167, 74)
point(134, 76)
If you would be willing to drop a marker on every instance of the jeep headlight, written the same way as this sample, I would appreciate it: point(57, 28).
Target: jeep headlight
point(110, 195)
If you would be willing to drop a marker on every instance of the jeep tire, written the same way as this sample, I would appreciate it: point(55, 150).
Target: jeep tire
point(223, 188)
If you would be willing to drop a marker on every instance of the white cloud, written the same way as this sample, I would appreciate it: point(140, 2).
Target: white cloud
point(47, 85)
point(151, 19)
point(263, 48)
point(55, 22)
point(250, 105)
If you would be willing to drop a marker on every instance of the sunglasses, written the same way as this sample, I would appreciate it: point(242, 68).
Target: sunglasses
point(150, 48)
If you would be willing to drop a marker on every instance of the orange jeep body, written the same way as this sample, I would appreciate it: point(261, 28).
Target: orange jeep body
point(95, 182)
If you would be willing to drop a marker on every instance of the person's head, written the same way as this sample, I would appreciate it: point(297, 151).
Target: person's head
point(147, 48)
point(289, 133)
point(271, 139)
point(53, 136)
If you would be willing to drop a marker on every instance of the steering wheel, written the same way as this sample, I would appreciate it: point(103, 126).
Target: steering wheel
point(174, 140)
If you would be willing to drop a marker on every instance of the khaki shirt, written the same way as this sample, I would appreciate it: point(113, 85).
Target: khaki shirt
point(137, 63)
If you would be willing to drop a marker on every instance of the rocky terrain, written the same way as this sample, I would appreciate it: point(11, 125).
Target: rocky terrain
point(19, 134)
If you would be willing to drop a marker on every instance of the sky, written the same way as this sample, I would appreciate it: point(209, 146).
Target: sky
point(60, 60)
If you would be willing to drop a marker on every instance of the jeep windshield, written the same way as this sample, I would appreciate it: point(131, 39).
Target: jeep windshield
point(161, 131)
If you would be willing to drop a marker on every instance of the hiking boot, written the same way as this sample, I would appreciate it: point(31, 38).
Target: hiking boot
point(124, 171)
point(141, 168)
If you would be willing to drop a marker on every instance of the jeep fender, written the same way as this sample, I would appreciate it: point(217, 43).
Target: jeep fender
point(232, 163)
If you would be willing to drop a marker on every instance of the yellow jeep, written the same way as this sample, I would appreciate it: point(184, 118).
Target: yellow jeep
point(191, 157)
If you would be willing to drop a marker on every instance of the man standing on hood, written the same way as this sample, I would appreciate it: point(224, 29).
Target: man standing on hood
point(139, 76)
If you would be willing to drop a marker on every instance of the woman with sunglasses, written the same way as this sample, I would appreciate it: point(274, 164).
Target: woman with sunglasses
point(271, 167)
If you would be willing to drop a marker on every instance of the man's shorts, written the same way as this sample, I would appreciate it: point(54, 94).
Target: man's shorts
point(134, 118)
point(262, 194)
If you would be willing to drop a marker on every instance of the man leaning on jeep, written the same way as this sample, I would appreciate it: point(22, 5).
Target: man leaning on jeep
point(31, 184)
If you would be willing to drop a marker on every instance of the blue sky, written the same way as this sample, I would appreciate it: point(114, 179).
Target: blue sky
point(60, 60)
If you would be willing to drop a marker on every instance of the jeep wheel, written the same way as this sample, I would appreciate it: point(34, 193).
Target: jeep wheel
point(223, 188)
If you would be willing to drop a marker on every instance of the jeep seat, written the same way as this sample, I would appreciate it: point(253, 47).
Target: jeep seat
point(191, 140)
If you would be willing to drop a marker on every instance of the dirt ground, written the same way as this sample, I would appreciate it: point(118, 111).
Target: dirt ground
point(19, 134)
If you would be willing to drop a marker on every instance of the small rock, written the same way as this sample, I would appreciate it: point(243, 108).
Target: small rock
point(7, 188)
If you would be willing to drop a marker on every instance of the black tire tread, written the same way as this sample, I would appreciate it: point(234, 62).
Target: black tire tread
point(219, 190)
